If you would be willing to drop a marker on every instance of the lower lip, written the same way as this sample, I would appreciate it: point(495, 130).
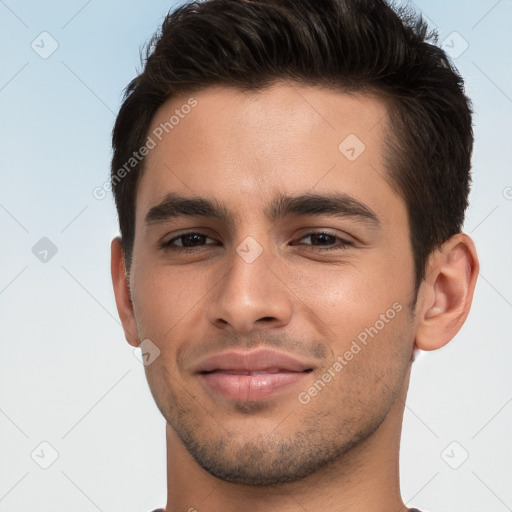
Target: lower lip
point(249, 388)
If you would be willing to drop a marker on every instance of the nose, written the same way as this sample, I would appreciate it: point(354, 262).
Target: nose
point(251, 295)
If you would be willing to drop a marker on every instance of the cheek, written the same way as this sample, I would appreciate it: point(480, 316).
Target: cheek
point(171, 303)
point(350, 297)
point(364, 317)
point(162, 297)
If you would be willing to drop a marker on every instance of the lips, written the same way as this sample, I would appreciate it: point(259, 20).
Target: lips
point(268, 361)
point(251, 376)
point(252, 372)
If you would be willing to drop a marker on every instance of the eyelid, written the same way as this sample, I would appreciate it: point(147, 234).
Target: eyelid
point(343, 241)
point(327, 231)
point(177, 237)
point(204, 231)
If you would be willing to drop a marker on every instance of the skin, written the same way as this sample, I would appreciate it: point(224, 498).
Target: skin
point(338, 452)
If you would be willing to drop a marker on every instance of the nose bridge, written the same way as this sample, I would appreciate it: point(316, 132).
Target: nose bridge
point(250, 292)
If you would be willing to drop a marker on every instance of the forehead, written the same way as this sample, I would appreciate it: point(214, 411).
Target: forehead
point(244, 147)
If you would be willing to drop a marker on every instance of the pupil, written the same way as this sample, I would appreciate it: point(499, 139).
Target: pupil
point(322, 237)
point(194, 239)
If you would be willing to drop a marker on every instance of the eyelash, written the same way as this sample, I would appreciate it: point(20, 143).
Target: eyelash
point(167, 246)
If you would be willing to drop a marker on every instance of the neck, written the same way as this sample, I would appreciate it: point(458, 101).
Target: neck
point(365, 478)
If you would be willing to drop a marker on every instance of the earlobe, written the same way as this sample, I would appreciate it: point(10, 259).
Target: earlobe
point(122, 292)
point(447, 292)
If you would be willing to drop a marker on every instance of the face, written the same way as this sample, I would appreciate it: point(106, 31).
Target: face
point(295, 264)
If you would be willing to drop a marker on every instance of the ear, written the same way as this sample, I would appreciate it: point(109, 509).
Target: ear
point(122, 293)
point(446, 293)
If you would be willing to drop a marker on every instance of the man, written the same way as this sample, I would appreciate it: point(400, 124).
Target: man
point(291, 178)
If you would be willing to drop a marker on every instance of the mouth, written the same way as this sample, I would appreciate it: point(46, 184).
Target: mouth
point(251, 385)
point(268, 371)
point(251, 375)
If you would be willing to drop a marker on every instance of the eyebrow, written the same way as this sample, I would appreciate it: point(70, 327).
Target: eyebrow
point(331, 204)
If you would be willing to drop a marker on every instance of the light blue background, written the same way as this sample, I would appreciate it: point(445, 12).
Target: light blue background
point(66, 374)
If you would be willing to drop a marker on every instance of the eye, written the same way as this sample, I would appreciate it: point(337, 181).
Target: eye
point(185, 242)
point(323, 241)
point(193, 241)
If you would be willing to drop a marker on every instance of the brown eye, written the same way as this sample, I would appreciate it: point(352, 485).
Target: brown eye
point(186, 242)
point(322, 241)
